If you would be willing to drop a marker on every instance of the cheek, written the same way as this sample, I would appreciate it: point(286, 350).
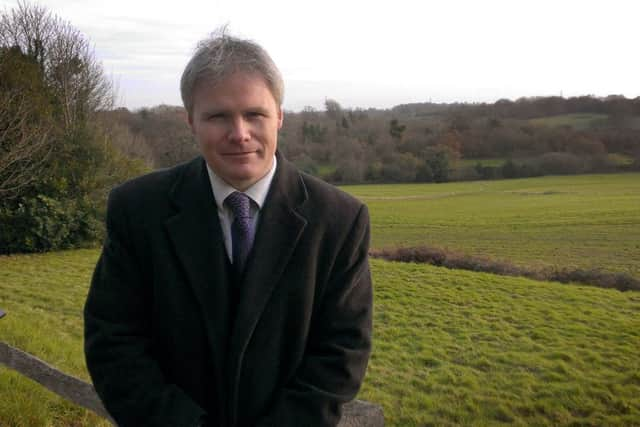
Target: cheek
point(210, 134)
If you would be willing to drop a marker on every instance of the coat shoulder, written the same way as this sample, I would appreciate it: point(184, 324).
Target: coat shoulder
point(149, 190)
point(326, 200)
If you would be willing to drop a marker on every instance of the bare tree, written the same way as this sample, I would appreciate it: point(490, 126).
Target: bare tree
point(51, 84)
point(29, 28)
point(64, 56)
point(75, 76)
point(118, 134)
point(24, 147)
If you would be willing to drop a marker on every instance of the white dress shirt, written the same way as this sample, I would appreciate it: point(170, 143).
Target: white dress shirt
point(257, 194)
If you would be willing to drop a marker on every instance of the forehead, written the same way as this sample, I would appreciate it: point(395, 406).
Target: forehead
point(238, 88)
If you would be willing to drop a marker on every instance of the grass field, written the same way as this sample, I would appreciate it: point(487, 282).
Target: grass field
point(583, 221)
point(463, 348)
point(450, 347)
point(620, 159)
point(43, 296)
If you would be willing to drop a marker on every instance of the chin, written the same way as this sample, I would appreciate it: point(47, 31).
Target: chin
point(247, 177)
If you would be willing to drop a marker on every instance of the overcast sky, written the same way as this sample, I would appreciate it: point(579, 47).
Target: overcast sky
point(375, 53)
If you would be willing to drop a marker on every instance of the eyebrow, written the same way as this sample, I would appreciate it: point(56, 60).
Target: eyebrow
point(214, 110)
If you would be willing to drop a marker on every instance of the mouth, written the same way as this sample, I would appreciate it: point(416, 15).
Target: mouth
point(239, 154)
point(241, 157)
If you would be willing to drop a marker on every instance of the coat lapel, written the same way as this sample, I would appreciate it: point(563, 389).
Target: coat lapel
point(199, 246)
point(279, 230)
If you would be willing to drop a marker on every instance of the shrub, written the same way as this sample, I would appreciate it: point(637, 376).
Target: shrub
point(560, 163)
point(450, 259)
point(401, 167)
point(41, 223)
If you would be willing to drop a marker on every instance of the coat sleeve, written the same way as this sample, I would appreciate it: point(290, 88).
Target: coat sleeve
point(118, 339)
point(339, 342)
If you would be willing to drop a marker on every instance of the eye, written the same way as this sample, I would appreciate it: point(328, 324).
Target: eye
point(215, 116)
point(255, 114)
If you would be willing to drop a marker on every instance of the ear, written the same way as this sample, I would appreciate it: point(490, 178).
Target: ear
point(190, 121)
point(280, 117)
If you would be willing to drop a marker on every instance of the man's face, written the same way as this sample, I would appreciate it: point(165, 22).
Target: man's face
point(236, 124)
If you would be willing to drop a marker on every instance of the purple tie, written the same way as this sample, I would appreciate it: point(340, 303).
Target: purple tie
point(241, 229)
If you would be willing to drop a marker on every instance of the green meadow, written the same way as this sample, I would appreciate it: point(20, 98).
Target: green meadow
point(620, 159)
point(617, 159)
point(467, 348)
point(43, 296)
point(451, 347)
point(584, 221)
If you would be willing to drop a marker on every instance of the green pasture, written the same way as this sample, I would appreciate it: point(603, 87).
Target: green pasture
point(580, 221)
point(620, 159)
point(466, 348)
point(450, 347)
point(578, 121)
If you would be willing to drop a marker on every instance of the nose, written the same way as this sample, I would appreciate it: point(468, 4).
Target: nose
point(239, 130)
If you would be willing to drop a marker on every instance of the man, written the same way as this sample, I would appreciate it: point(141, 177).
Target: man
point(232, 290)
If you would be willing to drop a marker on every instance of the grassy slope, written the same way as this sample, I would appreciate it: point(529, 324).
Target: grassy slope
point(454, 347)
point(496, 162)
point(451, 347)
point(580, 221)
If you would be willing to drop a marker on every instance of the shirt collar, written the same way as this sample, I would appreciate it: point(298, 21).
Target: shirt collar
point(257, 192)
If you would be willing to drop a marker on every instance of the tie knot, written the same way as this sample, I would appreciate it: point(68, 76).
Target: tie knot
point(239, 204)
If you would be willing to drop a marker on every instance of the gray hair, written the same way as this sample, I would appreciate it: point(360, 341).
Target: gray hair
point(220, 55)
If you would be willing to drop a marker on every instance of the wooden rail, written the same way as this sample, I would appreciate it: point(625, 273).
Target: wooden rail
point(356, 414)
point(66, 386)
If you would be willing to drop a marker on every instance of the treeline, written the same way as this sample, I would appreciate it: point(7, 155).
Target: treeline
point(437, 143)
point(58, 158)
point(430, 142)
point(530, 107)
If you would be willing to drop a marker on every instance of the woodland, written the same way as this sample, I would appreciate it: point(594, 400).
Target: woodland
point(427, 142)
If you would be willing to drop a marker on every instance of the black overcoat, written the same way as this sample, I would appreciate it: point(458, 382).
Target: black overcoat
point(165, 342)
